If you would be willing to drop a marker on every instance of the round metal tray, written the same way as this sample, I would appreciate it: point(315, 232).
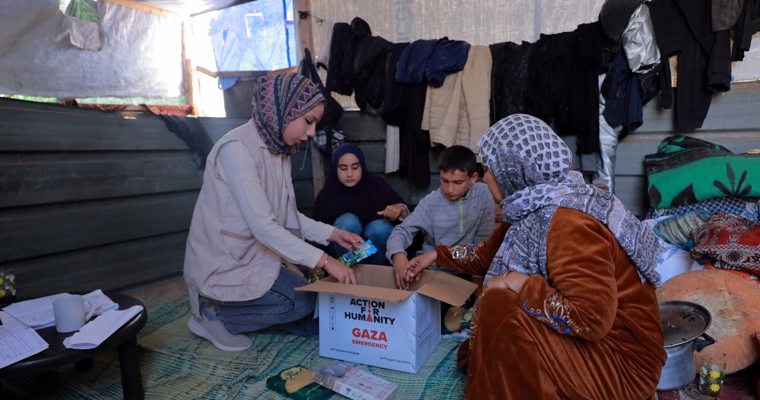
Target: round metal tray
point(683, 321)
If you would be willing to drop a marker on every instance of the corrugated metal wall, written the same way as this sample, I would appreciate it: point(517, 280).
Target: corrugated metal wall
point(90, 199)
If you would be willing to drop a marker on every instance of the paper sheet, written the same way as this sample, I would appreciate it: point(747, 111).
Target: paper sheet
point(17, 341)
point(99, 302)
point(95, 332)
point(38, 313)
point(35, 313)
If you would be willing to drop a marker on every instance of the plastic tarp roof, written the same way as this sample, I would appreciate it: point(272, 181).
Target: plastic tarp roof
point(134, 53)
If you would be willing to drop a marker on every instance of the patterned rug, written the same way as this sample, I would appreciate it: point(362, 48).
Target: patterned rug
point(175, 364)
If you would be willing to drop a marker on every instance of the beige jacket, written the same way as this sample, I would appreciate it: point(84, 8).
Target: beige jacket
point(245, 224)
point(458, 111)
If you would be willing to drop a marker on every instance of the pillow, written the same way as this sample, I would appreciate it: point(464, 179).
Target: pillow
point(677, 229)
point(731, 242)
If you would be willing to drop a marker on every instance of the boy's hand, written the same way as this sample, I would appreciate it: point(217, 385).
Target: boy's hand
point(418, 264)
point(400, 266)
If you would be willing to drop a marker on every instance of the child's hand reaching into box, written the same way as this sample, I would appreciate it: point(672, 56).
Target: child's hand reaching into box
point(417, 265)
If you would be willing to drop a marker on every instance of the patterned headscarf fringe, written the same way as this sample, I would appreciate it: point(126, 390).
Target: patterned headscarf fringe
point(277, 100)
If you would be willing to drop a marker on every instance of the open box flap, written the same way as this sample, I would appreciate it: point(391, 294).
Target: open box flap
point(377, 282)
point(328, 285)
point(445, 287)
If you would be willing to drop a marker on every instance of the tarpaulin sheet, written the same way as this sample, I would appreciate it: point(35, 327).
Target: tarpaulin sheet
point(140, 53)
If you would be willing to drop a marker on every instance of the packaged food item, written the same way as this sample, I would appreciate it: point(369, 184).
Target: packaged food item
point(349, 259)
point(297, 382)
point(353, 257)
point(353, 382)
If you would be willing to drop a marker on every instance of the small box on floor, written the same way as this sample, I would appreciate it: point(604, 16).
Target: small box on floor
point(353, 382)
point(376, 324)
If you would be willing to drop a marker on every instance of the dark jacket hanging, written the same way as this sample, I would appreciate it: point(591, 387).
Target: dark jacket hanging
point(684, 28)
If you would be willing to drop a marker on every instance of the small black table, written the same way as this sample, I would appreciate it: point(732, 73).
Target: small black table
point(125, 339)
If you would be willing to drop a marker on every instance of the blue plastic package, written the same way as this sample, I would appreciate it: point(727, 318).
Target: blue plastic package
point(353, 257)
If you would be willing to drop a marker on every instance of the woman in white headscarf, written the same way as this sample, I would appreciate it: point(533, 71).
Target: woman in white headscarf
point(569, 309)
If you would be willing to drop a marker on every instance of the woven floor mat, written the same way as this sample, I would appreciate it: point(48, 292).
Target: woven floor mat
point(176, 364)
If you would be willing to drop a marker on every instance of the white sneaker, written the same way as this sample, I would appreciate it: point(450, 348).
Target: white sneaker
point(218, 335)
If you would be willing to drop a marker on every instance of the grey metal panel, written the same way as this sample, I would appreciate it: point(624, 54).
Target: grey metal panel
point(28, 232)
point(374, 155)
point(631, 190)
point(217, 127)
point(91, 199)
point(631, 151)
point(26, 126)
point(103, 267)
point(360, 127)
point(736, 109)
point(412, 194)
point(32, 179)
point(304, 190)
point(733, 121)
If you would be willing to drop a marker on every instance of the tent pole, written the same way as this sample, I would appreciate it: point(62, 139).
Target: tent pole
point(306, 41)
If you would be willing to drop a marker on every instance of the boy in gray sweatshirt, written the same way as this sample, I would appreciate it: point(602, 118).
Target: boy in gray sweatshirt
point(460, 211)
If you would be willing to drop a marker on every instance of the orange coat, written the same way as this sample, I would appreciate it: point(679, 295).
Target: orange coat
point(612, 346)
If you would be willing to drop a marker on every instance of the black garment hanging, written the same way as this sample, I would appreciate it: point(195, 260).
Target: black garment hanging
point(192, 132)
point(333, 109)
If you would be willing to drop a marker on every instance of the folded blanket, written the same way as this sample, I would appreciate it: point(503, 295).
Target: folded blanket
point(687, 170)
point(729, 242)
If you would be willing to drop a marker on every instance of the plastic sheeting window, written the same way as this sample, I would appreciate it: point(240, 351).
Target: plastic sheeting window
point(80, 24)
point(86, 10)
point(255, 36)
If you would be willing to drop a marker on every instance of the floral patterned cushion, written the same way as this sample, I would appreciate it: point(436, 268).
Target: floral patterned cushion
point(731, 242)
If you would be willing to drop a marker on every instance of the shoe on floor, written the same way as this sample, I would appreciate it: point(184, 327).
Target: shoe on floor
point(218, 335)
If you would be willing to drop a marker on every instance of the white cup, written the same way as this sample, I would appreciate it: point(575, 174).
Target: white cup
point(71, 312)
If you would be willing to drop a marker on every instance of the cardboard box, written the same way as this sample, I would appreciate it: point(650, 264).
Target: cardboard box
point(376, 324)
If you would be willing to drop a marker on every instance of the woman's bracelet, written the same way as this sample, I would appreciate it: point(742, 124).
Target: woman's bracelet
point(319, 272)
point(323, 264)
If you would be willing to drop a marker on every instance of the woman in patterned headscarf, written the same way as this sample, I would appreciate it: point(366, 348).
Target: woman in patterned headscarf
point(569, 309)
point(247, 237)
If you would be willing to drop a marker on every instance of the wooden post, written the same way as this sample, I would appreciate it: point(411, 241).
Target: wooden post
point(140, 6)
point(188, 72)
point(304, 40)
